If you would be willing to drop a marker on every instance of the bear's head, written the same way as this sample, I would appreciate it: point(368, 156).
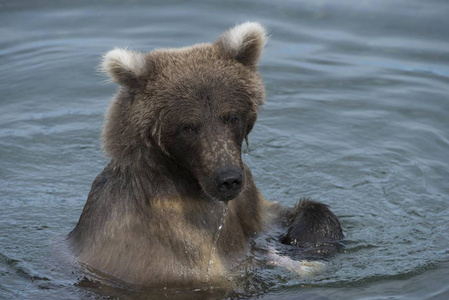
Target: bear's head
point(193, 106)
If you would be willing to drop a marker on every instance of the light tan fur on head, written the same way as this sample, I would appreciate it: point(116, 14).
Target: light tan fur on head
point(149, 80)
point(243, 42)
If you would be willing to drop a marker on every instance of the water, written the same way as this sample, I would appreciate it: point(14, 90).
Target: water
point(217, 236)
point(356, 117)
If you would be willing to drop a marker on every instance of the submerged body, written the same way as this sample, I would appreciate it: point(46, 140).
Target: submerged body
point(154, 232)
point(174, 133)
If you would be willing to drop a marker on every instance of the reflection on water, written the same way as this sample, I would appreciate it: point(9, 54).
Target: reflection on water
point(356, 117)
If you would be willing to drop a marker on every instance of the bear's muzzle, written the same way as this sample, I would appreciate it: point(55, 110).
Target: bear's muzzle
point(229, 183)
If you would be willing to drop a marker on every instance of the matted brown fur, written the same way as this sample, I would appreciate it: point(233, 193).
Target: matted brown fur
point(174, 133)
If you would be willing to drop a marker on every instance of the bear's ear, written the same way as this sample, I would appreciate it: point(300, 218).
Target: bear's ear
point(125, 67)
point(244, 43)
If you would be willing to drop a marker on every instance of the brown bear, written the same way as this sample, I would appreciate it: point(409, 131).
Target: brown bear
point(176, 205)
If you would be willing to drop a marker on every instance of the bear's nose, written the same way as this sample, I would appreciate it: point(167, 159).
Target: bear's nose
point(229, 181)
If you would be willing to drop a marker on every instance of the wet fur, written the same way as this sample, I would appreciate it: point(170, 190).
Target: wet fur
point(153, 213)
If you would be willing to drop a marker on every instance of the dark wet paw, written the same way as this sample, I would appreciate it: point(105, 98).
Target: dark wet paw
point(314, 229)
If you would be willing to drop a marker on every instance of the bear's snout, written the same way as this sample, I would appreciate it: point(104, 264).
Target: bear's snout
point(229, 183)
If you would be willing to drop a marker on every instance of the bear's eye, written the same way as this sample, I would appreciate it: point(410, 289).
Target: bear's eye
point(187, 128)
point(234, 119)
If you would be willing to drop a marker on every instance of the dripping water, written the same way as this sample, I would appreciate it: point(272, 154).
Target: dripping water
point(216, 237)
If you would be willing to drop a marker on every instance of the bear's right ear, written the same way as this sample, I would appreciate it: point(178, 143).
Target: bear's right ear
point(125, 67)
point(244, 43)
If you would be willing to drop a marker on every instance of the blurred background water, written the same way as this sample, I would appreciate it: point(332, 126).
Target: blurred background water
point(356, 117)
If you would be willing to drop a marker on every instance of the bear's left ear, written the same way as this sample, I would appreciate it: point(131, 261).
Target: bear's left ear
point(125, 67)
point(244, 43)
